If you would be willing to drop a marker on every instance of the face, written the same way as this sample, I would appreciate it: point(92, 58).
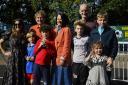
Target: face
point(31, 39)
point(79, 30)
point(59, 20)
point(84, 11)
point(45, 34)
point(39, 19)
point(98, 50)
point(17, 25)
point(101, 21)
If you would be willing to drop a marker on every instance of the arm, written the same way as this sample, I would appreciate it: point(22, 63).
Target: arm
point(90, 40)
point(37, 46)
point(8, 53)
point(87, 61)
point(114, 47)
point(1, 48)
point(67, 44)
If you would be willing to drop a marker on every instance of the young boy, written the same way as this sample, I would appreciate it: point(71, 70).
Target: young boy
point(107, 36)
point(39, 18)
point(44, 50)
point(80, 41)
point(31, 37)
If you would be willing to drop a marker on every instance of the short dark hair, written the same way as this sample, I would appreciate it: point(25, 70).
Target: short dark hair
point(45, 28)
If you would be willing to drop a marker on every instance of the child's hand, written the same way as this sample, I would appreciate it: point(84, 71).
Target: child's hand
point(109, 61)
point(44, 41)
point(27, 58)
point(91, 54)
point(31, 81)
point(32, 58)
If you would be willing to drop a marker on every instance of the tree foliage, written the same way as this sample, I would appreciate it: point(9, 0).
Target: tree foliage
point(117, 9)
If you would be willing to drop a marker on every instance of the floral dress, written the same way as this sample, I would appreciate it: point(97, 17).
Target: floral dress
point(97, 73)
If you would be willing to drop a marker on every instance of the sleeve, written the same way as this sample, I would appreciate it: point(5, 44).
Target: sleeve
point(114, 46)
point(31, 28)
point(90, 40)
point(87, 61)
point(36, 48)
point(67, 43)
point(87, 45)
point(72, 44)
point(51, 46)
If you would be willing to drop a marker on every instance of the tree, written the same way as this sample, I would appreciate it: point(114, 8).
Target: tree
point(117, 10)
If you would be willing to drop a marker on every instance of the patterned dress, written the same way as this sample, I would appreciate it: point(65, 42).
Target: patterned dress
point(15, 68)
point(97, 73)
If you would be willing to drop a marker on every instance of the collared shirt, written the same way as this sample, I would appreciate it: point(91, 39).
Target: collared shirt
point(37, 29)
point(100, 30)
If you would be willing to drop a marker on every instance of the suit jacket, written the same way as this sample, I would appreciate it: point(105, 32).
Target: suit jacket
point(63, 45)
point(109, 40)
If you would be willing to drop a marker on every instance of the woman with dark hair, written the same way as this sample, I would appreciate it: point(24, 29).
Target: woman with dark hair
point(63, 46)
point(15, 52)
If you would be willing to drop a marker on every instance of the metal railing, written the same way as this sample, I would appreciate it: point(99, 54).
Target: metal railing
point(120, 64)
point(122, 48)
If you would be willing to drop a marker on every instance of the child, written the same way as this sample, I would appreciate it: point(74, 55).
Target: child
point(80, 41)
point(97, 63)
point(30, 56)
point(107, 36)
point(44, 50)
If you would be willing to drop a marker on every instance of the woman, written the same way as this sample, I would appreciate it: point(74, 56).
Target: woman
point(62, 44)
point(15, 52)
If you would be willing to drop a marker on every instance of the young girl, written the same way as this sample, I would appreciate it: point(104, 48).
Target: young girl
point(97, 63)
point(31, 36)
point(80, 41)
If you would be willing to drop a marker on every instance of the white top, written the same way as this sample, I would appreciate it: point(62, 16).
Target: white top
point(80, 49)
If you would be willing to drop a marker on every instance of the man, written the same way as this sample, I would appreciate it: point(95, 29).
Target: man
point(84, 12)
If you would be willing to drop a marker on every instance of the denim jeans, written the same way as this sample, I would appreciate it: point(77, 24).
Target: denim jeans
point(41, 72)
point(62, 76)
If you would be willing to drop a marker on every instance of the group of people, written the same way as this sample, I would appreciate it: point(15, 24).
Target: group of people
point(59, 55)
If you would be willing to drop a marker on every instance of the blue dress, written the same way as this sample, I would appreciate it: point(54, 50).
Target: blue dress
point(30, 53)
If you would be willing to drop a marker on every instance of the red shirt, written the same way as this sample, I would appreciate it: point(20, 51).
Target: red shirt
point(44, 55)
